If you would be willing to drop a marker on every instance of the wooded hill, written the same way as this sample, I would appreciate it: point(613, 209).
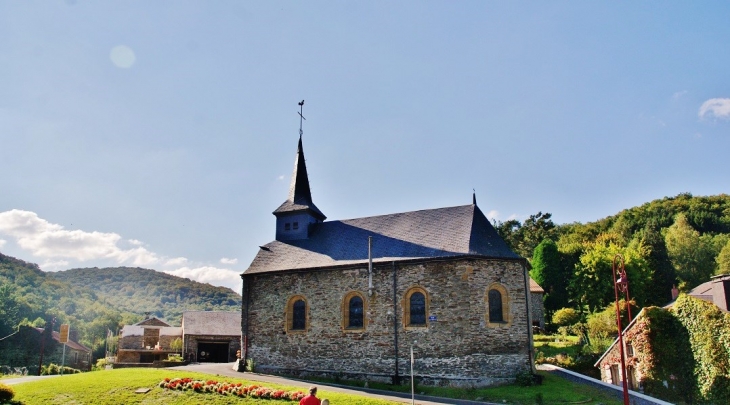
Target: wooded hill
point(96, 300)
point(682, 241)
point(139, 290)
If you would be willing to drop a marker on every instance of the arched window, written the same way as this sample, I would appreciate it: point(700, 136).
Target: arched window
point(495, 306)
point(355, 313)
point(497, 303)
point(297, 311)
point(416, 307)
point(299, 315)
point(354, 307)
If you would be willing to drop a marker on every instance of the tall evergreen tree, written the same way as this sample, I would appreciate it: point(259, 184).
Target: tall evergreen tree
point(547, 270)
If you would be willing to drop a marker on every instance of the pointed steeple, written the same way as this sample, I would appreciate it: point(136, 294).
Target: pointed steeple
point(300, 195)
point(298, 212)
point(474, 198)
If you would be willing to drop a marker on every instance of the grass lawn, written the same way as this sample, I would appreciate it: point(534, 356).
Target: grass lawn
point(117, 387)
point(554, 390)
point(552, 345)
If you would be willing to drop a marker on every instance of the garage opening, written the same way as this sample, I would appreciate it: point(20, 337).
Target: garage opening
point(213, 352)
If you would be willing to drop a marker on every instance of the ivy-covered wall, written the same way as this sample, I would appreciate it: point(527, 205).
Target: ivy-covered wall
point(664, 356)
point(681, 354)
point(708, 330)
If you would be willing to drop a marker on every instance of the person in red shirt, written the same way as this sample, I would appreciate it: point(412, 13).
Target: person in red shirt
point(311, 399)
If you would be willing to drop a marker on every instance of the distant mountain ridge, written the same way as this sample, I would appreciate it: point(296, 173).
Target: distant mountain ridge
point(94, 301)
point(139, 290)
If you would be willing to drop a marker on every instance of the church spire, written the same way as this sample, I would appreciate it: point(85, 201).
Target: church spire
point(298, 210)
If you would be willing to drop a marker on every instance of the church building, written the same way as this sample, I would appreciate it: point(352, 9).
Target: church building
point(351, 298)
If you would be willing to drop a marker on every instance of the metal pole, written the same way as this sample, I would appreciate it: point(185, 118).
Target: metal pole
point(624, 380)
point(413, 390)
point(63, 358)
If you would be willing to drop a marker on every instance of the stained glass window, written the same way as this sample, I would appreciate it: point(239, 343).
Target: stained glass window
point(495, 306)
point(355, 316)
point(299, 315)
point(418, 309)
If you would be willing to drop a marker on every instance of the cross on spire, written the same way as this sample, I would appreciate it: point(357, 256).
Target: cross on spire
point(301, 117)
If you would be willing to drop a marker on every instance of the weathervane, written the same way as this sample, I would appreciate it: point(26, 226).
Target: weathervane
point(301, 117)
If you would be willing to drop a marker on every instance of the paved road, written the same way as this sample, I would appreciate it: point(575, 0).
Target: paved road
point(226, 369)
point(27, 378)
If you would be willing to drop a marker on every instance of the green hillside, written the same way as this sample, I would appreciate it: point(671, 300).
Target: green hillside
point(95, 300)
point(139, 290)
point(674, 241)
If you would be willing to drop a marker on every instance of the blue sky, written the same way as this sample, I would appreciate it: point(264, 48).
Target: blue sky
point(162, 134)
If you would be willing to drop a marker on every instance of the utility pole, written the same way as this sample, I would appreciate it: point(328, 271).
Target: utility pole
point(43, 343)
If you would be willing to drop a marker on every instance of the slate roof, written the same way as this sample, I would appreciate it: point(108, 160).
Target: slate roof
point(218, 323)
point(300, 195)
point(425, 234)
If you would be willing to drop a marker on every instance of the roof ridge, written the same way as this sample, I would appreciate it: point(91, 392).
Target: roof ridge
point(405, 212)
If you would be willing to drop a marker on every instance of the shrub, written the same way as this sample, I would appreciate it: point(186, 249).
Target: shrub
point(566, 317)
point(527, 379)
point(100, 364)
point(6, 393)
point(250, 365)
point(174, 357)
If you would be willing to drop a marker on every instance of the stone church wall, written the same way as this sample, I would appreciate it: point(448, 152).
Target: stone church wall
point(458, 347)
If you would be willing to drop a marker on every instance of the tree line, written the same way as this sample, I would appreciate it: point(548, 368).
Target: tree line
point(676, 241)
point(95, 301)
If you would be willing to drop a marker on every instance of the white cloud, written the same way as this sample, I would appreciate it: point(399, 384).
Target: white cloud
point(226, 260)
point(55, 265)
point(715, 107)
point(52, 241)
point(281, 177)
point(211, 275)
point(3, 242)
point(678, 95)
point(492, 215)
point(135, 242)
point(178, 261)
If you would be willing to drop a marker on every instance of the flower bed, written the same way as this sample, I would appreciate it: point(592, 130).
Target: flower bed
point(224, 388)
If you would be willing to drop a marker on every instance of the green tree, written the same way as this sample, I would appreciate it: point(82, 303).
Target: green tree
point(549, 273)
point(565, 317)
point(524, 237)
point(593, 282)
point(9, 309)
point(691, 254)
point(723, 260)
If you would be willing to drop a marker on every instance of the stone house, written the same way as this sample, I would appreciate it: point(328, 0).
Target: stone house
point(146, 342)
point(715, 291)
point(537, 295)
point(350, 298)
point(211, 336)
point(22, 349)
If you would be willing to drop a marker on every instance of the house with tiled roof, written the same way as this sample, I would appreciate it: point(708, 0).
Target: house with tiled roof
point(350, 298)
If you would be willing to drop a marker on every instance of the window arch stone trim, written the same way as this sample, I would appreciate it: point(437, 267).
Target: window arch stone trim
point(346, 312)
point(506, 312)
point(290, 314)
point(407, 324)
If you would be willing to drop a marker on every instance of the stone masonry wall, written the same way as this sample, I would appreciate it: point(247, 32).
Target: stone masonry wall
point(459, 348)
point(537, 307)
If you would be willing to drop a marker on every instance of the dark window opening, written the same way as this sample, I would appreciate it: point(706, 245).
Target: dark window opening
point(296, 225)
point(287, 226)
point(418, 309)
point(355, 316)
point(299, 315)
point(495, 306)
